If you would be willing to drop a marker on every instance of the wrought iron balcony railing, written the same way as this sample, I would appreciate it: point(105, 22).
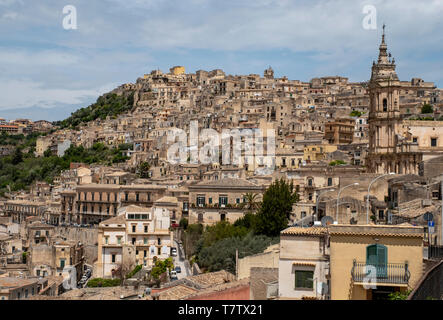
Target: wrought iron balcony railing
point(389, 273)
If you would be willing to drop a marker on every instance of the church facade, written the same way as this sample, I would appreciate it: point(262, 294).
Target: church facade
point(389, 150)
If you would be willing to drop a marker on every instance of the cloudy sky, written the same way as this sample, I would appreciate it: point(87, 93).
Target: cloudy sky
point(48, 72)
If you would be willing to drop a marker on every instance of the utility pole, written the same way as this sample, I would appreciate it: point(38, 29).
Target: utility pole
point(236, 264)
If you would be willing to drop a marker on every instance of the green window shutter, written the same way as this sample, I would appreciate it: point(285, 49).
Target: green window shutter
point(382, 255)
point(371, 255)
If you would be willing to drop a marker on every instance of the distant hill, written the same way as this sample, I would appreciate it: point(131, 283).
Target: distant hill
point(110, 104)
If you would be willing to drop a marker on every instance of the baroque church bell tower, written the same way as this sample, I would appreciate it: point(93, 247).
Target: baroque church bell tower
point(388, 150)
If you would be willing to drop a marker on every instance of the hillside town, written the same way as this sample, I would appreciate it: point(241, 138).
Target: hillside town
point(200, 156)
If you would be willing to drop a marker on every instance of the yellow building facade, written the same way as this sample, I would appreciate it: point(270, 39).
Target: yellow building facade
point(317, 152)
point(393, 254)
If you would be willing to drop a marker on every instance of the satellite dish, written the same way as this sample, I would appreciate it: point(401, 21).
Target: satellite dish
point(428, 216)
point(326, 221)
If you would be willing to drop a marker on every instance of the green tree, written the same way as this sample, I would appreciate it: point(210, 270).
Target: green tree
point(143, 170)
point(18, 156)
point(221, 255)
point(276, 209)
point(248, 221)
point(250, 203)
point(47, 153)
point(427, 108)
point(161, 266)
point(336, 163)
point(399, 295)
point(184, 223)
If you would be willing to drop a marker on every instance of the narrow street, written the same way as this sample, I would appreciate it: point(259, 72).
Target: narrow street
point(179, 261)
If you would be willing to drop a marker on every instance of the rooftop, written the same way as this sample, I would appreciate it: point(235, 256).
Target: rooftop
point(9, 283)
point(226, 183)
point(299, 231)
point(403, 230)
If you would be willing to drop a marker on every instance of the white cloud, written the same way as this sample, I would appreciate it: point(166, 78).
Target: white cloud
point(26, 93)
point(117, 40)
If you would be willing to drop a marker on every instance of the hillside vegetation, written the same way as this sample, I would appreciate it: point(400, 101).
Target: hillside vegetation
point(21, 168)
point(109, 104)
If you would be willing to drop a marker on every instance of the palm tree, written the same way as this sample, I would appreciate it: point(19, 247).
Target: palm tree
point(250, 202)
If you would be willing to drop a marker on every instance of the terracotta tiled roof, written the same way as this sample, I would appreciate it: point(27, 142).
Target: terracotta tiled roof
point(293, 231)
point(227, 183)
point(167, 199)
point(304, 264)
point(115, 220)
point(134, 208)
point(377, 230)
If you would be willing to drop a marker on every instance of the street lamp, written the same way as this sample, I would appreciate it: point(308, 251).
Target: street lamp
point(338, 197)
point(318, 200)
point(369, 188)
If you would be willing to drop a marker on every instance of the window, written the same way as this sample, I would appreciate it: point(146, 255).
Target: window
point(133, 228)
point(145, 240)
point(377, 255)
point(62, 263)
point(304, 279)
point(137, 197)
point(223, 200)
point(113, 258)
point(210, 200)
point(310, 182)
point(385, 105)
point(329, 182)
point(415, 139)
point(159, 241)
point(310, 197)
point(433, 142)
point(146, 229)
point(381, 214)
point(119, 240)
point(201, 200)
point(133, 240)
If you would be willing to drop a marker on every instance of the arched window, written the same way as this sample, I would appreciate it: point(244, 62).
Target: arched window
point(310, 182)
point(385, 105)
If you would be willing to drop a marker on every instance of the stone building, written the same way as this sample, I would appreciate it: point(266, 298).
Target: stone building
point(135, 237)
point(219, 200)
point(388, 149)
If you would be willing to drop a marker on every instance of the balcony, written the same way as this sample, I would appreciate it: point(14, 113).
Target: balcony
point(389, 273)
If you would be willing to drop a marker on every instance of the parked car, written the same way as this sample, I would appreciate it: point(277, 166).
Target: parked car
point(173, 275)
point(178, 269)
